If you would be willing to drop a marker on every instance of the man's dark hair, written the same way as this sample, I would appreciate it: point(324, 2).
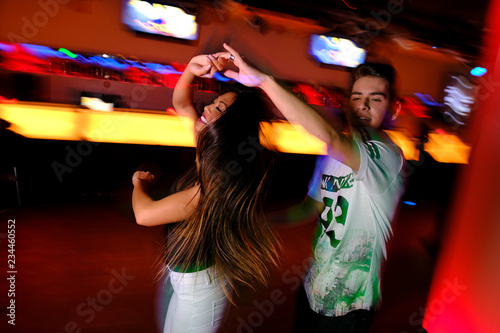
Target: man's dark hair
point(380, 70)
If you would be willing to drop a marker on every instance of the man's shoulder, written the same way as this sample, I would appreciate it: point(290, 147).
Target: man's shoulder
point(367, 134)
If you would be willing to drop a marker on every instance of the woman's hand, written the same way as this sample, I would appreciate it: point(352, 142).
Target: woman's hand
point(207, 65)
point(247, 75)
point(145, 177)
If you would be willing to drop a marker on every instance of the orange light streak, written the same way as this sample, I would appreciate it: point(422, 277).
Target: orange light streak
point(56, 122)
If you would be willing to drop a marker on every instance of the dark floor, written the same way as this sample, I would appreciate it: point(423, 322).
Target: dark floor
point(86, 265)
point(83, 265)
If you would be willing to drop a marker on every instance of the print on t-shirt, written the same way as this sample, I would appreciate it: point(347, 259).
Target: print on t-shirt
point(333, 217)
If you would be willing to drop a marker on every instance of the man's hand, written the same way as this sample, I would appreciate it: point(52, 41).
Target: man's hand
point(246, 75)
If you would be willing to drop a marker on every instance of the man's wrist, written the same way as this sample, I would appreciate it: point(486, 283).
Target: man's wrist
point(265, 81)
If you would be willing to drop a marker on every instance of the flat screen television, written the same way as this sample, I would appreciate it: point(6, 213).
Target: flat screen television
point(336, 51)
point(159, 19)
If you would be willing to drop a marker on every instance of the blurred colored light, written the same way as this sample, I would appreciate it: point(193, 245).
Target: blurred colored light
point(104, 61)
point(410, 106)
point(171, 111)
point(478, 71)
point(41, 51)
point(43, 121)
point(447, 148)
point(68, 53)
point(408, 147)
point(289, 138)
point(7, 101)
point(97, 104)
point(427, 99)
point(66, 123)
point(440, 131)
point(409, 203)
point(218, 76)
point(7, 47)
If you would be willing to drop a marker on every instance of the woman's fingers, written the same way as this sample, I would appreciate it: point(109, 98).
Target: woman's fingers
point(213, 61)
point(142, 175)
point(200, 70)
point(136, 177)
point(246, 75)
point(223, 54)
point(219, 62)
point(214, 65)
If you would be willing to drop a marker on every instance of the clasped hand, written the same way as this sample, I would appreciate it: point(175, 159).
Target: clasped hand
point(145, 177)
point(208, 65)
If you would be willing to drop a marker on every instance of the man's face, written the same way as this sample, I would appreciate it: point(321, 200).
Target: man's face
point(369, 102)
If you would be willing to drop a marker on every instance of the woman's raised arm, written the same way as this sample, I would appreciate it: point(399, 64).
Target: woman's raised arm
point(203, 66)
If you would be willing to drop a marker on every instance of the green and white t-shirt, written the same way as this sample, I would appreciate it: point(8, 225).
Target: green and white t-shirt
point(355, 225)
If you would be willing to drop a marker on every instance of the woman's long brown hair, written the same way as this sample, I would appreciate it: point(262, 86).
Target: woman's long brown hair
point(228, 229)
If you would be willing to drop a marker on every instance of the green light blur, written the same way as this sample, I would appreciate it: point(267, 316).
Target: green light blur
point(68, 53)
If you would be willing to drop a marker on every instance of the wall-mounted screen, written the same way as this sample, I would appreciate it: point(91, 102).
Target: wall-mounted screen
point(332, 50)
point(158, 19)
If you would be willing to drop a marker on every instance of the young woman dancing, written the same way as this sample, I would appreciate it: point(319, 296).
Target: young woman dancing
point(219, 238)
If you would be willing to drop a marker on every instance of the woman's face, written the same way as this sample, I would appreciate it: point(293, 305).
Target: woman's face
point(213, 111)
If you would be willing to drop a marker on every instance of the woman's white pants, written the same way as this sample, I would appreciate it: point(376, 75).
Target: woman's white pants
point(198, 304)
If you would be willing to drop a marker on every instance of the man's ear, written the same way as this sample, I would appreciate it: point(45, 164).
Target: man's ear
point(396, 108)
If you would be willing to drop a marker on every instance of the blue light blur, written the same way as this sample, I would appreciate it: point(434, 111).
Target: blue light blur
point(218, 76)
point(427, 99)
point(478, 71)
point(45, 52)
point(6, 47)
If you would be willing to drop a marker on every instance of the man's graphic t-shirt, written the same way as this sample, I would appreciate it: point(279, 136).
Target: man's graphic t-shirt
point(354, 226)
